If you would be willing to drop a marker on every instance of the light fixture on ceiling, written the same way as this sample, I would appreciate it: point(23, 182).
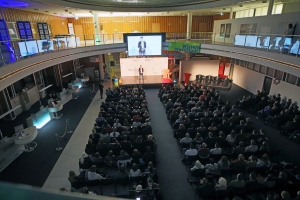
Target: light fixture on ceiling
point(36, 9)
point(66, 11)
point(240, 6)
point(46, 11)
point(54, 13)
point(264, 1)
point(221, 13)
point(224, 8)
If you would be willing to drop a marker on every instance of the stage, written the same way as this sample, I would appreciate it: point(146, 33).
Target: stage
point(153, 81)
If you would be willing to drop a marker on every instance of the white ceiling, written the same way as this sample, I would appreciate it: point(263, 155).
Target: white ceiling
point(70, 12)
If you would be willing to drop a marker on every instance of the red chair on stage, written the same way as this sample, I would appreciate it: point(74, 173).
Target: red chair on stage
point(187, 77)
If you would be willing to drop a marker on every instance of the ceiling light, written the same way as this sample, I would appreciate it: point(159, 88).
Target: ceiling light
point(264, 1)
point(224, 8)
point(76, 17)
point(54, 13)
point(221, 13)
point(36, 9)
point(240, 5)
point(46, 11)
point(66, 11)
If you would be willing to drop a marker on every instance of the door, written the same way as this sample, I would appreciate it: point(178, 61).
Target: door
point(267, 84)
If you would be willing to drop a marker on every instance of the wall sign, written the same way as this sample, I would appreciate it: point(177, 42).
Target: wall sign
point(184, 46)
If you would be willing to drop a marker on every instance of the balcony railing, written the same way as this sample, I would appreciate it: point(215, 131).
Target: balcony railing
point(18, 49)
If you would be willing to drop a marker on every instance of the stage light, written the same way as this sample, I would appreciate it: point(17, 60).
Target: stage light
point(7, 3)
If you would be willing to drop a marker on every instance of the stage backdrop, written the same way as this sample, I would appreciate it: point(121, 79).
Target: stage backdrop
point(152, 66)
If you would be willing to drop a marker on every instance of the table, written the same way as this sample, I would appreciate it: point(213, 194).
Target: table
point(26, 138)
point(54, 109)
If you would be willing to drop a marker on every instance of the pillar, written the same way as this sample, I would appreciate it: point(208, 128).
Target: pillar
point(96, 27)
point(101, 71)
point(231, 13)
point(270, 8)
point(189, 25)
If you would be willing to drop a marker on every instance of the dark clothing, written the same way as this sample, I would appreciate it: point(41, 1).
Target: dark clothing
point(101, 89)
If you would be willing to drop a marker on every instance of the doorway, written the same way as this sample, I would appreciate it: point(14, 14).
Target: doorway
point(267, 84)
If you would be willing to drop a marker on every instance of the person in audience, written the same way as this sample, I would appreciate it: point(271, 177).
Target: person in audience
point(115, 133)
point(252, 147)
point(186, 139)
point(93, 175)
point(285, 195)
point(98, 160)
point(204, 151)
point(222, 184)
point(110, 159)
point(217, 150)
point(122, 175)
point(191, 151)
point(237, 183)
point(269, 182)
point(240, 149)
point(105, 136)
point(85, 161)
point(197, 141)
point(212, 167)
point(205, 189)
point(90, 147)
point(223, 163)
point(197, 165)
point(264, 161)
point(117, 124)
point(134, 171)
point(75, 180)
point(137, 157)
point(231, 138)
point(149, 156)
point(251, 163)
point(210, 140)
point(240, 163)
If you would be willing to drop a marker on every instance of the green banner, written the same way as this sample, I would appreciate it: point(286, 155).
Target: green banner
point(184, 46)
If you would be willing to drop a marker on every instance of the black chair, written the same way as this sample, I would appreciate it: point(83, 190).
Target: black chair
point(197, 174)
point(121, 182)
point(221, 194)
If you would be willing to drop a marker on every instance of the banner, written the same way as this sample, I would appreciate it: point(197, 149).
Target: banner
point(184, 46)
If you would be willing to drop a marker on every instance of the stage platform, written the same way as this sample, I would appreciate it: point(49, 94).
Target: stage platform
point(148, 82)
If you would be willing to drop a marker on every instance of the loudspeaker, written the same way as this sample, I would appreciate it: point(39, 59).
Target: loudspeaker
point(112, 63)
point(177, 61)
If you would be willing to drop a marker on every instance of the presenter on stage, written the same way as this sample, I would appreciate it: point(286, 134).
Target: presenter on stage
point(142, 46)
point(141, 72)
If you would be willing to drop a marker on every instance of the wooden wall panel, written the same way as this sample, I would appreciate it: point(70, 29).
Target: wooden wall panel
point(59, 24)
point(143, 24)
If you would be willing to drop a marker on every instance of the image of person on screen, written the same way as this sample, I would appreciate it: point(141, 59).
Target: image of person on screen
point(141, 73)
point(142, 46)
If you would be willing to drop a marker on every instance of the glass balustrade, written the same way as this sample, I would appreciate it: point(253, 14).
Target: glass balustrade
point(18, 49)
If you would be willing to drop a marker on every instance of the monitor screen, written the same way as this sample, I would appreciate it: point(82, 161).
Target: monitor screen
point(251, 41)
point(144, 45)
point(263, 42)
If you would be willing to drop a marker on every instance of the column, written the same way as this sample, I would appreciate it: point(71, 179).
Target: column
point(96, 27)
point(231, 13)
point(270, 8)
point(101, 71)
point(189, 25)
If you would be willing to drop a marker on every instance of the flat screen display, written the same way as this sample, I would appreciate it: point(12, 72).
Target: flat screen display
point(151, 66)
point(295, 47)
point(263, 42)
point(144, 45)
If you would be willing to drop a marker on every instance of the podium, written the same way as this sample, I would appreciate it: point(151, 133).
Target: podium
point(186, 77)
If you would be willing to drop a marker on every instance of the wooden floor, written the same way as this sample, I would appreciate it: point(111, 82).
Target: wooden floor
point(128, 80)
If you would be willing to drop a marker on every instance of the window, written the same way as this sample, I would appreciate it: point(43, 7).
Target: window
point(278, 74)
point(270, 71)
point(242, 63)
point(291, 79)
point(263, 69)
point(277, 9)
point(256, 67)
point(250, 65)
point(237, 62)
